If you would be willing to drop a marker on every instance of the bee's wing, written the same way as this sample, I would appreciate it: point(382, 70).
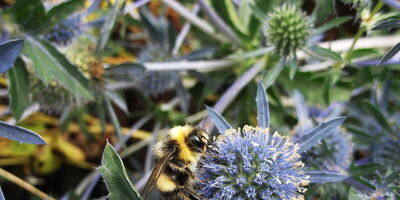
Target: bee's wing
point(158, 169)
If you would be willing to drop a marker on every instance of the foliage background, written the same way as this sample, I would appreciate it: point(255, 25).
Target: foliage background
point(126, 71)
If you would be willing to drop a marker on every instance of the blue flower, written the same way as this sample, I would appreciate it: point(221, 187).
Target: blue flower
point(65, 31)
point(252, 163)
point(336, 152)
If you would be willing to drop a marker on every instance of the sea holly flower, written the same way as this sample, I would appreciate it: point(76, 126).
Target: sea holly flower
point(336, 152)
point(252, 163)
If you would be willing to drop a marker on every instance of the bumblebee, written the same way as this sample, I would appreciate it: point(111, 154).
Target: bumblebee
point(176, 156)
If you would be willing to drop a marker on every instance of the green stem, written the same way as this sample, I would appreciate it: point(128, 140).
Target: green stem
point(362, 29)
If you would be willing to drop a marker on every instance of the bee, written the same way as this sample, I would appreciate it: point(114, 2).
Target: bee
point(176, 156)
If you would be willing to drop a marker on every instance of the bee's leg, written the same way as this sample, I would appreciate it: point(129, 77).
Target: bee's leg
point(191, 193)
point(190, 173)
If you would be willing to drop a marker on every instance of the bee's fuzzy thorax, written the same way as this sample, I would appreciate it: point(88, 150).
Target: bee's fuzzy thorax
point(179, 135)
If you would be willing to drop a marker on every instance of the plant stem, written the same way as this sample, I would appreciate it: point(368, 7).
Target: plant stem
point(23, 184)
point(362, 29)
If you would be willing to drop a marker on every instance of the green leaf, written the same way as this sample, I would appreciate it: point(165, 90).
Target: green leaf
point(333, 23)
point(59, 13)
point(233, 16)
point(362, 170)
point(114, 174)
point(359, 53)
point(28, 13)
point(376, 114)
point(50, 65)
point(388, 55)
point(19, 134)
point(273, 74)
point(323, 9)
point(107, 27)
point(18, 89)
point(327, 53)
point(9, 52)
point(251, 54)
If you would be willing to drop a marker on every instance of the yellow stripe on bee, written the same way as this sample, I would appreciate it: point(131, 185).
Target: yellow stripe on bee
point(179, 133)
point(165, 184)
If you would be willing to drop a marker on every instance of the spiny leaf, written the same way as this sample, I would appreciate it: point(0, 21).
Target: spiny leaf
point(9, 52)
point(393, 51)
point(333, 23)
point(19, 134)
point(114, 174)
point(325, 176)
point(51, 65)
point(218, 120)
point(18, 89)
point(318, 133)
point(262, 107)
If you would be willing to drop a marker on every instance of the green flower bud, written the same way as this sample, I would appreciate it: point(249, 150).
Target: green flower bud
point(288, 30)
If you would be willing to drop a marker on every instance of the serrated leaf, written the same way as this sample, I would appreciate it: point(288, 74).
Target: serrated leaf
point(114, 174)
point(312, 137)
point(18, 89)
point(9, 52)
point(325, 176)
point(376, 114)
point(389, 23)
point(50, 65)
point(107, 27)
point(19, 134)
point(388, 55)
point(333, 23)
point(59, 13)
point(218, 120)
point(327, 53)
point(262, 107)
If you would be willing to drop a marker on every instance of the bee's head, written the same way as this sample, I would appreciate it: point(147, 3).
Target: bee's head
point(197, 140)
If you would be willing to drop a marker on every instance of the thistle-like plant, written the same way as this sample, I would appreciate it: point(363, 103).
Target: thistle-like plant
point(252, 163)
point(288, 30)
point(335, 153)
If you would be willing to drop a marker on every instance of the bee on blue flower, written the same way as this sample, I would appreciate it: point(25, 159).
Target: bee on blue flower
point(252, 163)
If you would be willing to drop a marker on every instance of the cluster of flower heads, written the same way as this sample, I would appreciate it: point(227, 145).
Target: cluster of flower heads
point(288, 30)
point(64, 32)
point(252, 163)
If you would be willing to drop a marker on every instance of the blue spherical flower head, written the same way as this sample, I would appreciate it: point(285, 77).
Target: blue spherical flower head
point(64, 32)
point(251, 163)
